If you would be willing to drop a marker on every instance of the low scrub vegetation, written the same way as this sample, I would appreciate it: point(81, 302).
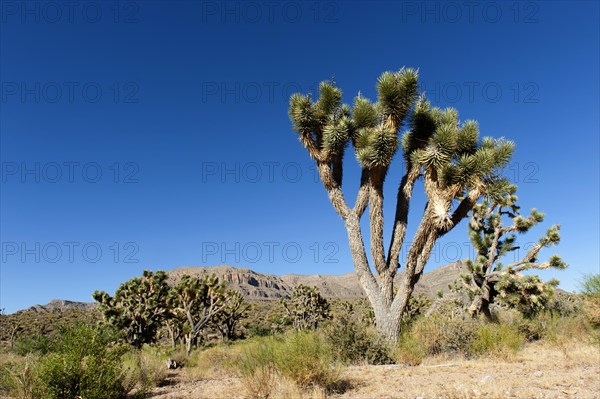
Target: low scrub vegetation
point(80, 360)
point(91, 360)
point(304, 358)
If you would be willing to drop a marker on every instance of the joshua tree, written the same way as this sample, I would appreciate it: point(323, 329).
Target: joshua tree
point(456, 168)
point(487, 280)
point(138, 307)
point(198, 300)
point(235, 309)
point(307, 308)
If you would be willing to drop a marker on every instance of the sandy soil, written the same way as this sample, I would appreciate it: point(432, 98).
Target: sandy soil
point(567, 371)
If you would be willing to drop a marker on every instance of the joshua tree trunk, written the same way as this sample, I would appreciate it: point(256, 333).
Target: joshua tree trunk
point(188, 344)
point(456, 168)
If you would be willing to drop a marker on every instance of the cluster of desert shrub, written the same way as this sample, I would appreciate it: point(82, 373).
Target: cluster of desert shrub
point(296, 347)
point(79, 360)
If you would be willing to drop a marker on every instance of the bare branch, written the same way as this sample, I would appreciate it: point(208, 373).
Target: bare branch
point(333, 189)
point(362, 198)
point(376, 219)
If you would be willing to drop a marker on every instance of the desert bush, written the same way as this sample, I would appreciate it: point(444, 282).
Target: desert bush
point(590, 289)
point(550, 326)
point(353, 342)
point(500, 340)
point(410, 350)
point(592, 310)
point(257, 367)
point(440, 334)
point(219, 360)
point(590, 285)
point(306, 359)
point(258, 331)
point(144, 369)
point(83, 363)
point(565, 304)
point(532, 329)
point(302, 357)
point(38, 344)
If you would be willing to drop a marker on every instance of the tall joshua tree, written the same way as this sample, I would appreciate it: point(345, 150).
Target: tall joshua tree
point(488, 280)
point(456, 168)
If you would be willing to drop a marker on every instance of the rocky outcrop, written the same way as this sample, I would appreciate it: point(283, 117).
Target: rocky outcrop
point(256, 285)
point(59, 304)
point(263, 286)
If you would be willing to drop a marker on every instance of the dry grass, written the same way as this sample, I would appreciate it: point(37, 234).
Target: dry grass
point(570, 369)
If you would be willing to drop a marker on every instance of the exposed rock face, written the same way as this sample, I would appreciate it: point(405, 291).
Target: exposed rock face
point(254, 285)
point(250, 283)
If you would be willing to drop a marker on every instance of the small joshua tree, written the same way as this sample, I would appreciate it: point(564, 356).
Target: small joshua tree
point(307, 308)
point(488, 280)
point(456, 168)
point(138, 307)
point(197, 301)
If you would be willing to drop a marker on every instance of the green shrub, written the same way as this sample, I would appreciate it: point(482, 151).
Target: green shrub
point(258, 331)
point(354, 343)
point(84, 363)
point(501, 340)
point(306, 359)
point(590, 285)
point(410, 350)
point(302, 357)
point(39, 345)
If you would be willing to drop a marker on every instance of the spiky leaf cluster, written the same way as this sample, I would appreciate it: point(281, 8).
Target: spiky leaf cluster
point(526, 293)
point(487, 279)
point(306, 308)
point(371, 127)
point(138, 307)
point(440, 143)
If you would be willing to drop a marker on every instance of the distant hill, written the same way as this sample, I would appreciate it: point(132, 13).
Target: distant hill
point(254, 285)
point(263, 286)
point(59, 304)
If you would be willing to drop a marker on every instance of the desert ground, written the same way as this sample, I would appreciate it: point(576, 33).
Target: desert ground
point(540, 371)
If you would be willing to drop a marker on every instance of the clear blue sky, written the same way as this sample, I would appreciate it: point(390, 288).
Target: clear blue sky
point(154, 134)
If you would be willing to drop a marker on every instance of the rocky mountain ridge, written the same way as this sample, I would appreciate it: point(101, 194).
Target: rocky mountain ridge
point(263, 286)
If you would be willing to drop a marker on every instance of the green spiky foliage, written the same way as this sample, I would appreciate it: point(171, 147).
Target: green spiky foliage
point(456, 167)
point(488, 280)
point(306, 308)
point(138, 307)
point(197, 301)
point(235, 309)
